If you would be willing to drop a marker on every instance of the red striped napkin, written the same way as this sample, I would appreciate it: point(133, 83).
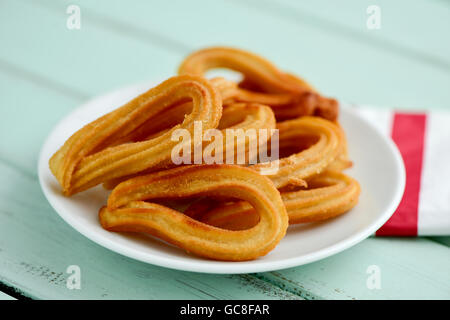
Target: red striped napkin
point(424, 142)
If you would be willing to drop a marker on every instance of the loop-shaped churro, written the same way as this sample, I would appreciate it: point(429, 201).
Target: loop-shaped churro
point(87, 158)
point(246, 120)
point(328, 195)
point(326, 145)
point(246, 127)
point(127, 210)
point(264, 83)
point(173, 115)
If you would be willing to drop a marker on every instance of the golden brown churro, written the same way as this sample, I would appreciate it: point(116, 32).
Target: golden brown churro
point(288, 95)
point(85, 159)
point(127, 211)
point(328, 195)
point(326, 146)
point(241, 117)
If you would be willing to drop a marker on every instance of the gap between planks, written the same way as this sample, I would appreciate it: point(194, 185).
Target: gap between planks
point(274, 9)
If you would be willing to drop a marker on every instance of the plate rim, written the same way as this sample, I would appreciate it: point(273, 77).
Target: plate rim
point(225, 267)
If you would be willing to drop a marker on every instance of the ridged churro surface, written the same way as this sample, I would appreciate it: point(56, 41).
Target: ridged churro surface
point(127, 211)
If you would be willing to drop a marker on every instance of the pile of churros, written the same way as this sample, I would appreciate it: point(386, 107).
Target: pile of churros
point(222, 199)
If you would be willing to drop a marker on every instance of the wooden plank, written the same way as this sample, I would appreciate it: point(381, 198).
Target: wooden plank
point(36, 246)
point(410, 268)
point(411, 30)
point(90, 60)
point(30, 108)
point(324, 58)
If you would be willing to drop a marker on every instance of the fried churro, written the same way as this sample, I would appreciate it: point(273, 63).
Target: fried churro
point(264, 83)
point(87, 159)
point(127, 211)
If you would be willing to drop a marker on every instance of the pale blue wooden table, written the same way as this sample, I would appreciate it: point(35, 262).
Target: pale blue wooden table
point(46, 70)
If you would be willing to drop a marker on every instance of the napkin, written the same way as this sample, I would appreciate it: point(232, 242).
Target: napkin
point(423, 139)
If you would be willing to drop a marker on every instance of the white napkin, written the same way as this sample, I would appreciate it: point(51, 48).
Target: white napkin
point(423, 139)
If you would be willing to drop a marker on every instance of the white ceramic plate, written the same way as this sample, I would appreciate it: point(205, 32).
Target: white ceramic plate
point(378, 167)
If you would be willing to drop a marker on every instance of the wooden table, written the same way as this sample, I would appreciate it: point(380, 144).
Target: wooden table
point(47, 70)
